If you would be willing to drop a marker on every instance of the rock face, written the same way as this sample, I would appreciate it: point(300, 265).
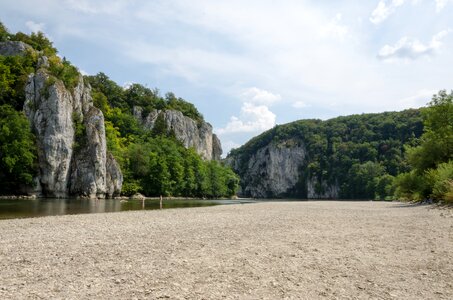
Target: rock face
point(276, 170)
point(71, 162)
point(191, 133)
point(10, 48)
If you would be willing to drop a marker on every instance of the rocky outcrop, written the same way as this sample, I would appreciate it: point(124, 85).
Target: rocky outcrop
point(272, 171)
point(72, 154)
point(276, 170)
point(216, 148)
point(192, 134)
point(114, 180)
point(10, 48)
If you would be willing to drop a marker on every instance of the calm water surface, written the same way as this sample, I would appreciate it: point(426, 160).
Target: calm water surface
point(11, 209)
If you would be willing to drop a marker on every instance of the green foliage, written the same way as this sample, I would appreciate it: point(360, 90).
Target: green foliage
point(63, 70)
point(113, 92)
point(442, 181)
point(385, 187)
point(14, 72)
point(38, 41)
point(437, 140)
point(160, 126)
point(126, 123)
point(17, 150)
point(362, 180)
point(187, 109)
point(80, 139)
point(101, 102)
point(412, 186)
point(139, 95)
point(130, 188)
point(4, 33)
point(432, 171)
point(353, 151)
point(162, 166)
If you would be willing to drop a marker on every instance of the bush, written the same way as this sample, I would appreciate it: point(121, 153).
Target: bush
point(130, 188)
point(63, 70)
point(412, 186)
point(442, 181)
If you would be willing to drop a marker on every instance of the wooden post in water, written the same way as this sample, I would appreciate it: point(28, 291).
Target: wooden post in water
point(143, 203)
point(160, 201)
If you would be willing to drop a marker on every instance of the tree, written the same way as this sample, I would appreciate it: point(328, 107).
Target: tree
point(437, 141)
point(18, 151)
point(4, 34)
point(432, 173)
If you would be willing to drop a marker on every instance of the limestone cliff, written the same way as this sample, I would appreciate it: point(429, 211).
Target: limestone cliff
point(272, 170)
point(191, 133)
point(276, 170)
point(70, 162)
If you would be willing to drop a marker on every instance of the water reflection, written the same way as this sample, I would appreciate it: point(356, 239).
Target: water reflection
point(10, 209)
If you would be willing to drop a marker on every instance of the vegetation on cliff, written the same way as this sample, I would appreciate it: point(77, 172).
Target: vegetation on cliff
point(153, 162)
point(391, 155)
point(361, 154)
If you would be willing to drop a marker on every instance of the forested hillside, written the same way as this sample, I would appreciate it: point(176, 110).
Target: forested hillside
point(354, 156)
point(391, 155)
point(153, 162)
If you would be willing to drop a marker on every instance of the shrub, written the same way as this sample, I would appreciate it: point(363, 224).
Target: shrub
point(442, 179)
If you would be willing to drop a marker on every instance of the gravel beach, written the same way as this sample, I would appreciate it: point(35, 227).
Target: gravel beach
point(278, 250)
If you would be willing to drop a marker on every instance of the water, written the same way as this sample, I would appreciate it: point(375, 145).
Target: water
point(11, 209)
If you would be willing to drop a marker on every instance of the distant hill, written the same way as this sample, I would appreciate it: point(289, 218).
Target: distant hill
point(351, 157)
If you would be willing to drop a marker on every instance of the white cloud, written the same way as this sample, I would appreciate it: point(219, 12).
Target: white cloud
point(184, 61)
point(299, 104)
point(335, 29)
point(259, 96)
point(108, 7)
point(420, 98)
point(35, 27)
point(440, 4)
point(409, 48)
point(253, 118)
point(384, 9)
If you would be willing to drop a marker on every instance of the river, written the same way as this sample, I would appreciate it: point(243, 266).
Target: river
point(17, 208)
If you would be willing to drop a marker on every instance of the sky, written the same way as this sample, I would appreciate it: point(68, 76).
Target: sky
point(249, 65)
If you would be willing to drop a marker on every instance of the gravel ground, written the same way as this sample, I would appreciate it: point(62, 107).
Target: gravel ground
point(292, 250)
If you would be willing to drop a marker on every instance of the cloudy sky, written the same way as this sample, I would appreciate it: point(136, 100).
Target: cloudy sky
point(248, 65)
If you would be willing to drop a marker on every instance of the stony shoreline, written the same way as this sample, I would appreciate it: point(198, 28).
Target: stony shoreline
point(295, 250)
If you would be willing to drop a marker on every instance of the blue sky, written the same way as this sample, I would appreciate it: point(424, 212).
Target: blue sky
point(248, 65)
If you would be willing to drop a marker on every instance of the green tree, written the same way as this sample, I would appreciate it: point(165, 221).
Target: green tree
point(17, 151)
point(4, 33)
point(437, 140)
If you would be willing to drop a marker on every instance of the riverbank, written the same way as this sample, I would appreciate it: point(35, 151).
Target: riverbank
point(263, 250)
